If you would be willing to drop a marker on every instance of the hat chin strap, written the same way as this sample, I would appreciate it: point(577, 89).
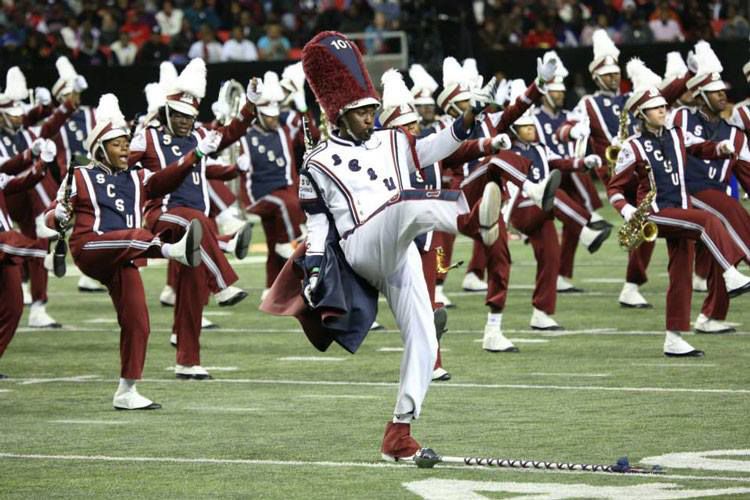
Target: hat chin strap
point(707, 102)
point(550, 102)
point(169, 120)
point(346, 128)
point(599, 83)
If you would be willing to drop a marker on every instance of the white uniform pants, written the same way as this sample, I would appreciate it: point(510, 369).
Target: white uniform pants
point(382, 251)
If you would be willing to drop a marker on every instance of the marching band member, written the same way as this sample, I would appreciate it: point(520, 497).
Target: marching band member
point(657, 157)
point(155, 148)
point(423, 89)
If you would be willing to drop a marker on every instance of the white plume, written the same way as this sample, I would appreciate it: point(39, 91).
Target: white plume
point(422, 79)
point(272, 91)
point(108, 110)
point(167, 75)
point(516, 90)
point(560, 70)
point(707, 60)
point(676, 67)
point(192, 79)
point(295, 74)
point(471, 74)
point(395, 92)
point(452, 72)
point(155, 97)
point(603, 45)
point(65, 69)
point(15, 85)
point(641, 76)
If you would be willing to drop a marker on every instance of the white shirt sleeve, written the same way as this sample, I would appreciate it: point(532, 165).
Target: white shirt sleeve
point(434, 147)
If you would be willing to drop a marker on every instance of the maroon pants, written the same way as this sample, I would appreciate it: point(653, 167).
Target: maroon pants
point(580, 187)
point(23, 208)
point(478, 262)
point(695, 225)
point(730, 212)
point(281, 216)
point(112, 258)
point(574, 217)
point(220, 195)
point(539, 226)
point(193, 283)
point(15, 249)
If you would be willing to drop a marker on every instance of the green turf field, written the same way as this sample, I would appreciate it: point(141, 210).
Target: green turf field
point(272, 425)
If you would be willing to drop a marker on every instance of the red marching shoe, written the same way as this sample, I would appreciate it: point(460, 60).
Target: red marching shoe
point(398, 443)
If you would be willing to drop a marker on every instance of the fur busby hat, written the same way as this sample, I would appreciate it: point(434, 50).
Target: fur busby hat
point(15, 92)
point(271, 96)
point(398, 102)
point(424, 85)
point(110, 124)
point(455, 88)
point(605, 55)
point(646, 94)
point(66, 78)
point(708, 78)
point(337, 74)
point(561, 72)
point(187, 91)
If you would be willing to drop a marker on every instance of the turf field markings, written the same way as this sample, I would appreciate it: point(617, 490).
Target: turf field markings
point(79, 378)
point(100, 320)
point(336, 396)
point(323, 463)
point(6, 390)
point(222, 409)
point(391, 349)
point(520, 341)
point(217, 313)
point(585, 375)
point(677, 365)
point(89, 422)
point(602, 280)
point(212, 368)
point(310, 358)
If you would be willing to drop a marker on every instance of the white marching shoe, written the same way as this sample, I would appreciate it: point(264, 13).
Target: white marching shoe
point(543, 193)
point(284, 250)
point(704, 324)
point(495, 341)
point(565, 286)
point(194, 372)
point(187, 251)
point(264, 294)
point(440, 374)
point(489, 213)
point(632, 298)
point(376, 326)
point(230, 296)
point(736, 282)
point(240, 243)
point(207, 324)
point(38, 317)
point(228, 221)
point(699, 284)
point(167, 296)
point(592, 239)
point(86, 284)
point(676, 346)
point(26, 290)
point(42, 231)
point(441, 297)
point(473, 283)
point(540, 320)
point(128, 398)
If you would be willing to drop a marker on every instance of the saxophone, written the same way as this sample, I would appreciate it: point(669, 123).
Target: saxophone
point(611, 153)
point(639, 229)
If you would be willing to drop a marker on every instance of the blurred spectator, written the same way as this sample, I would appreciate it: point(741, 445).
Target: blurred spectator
point(355, 18)
point(238, 48)
point(199, 14)
point(489, 35)
point(540, 37)
point(602, 22)
point(206, 47)
point(274, 46)
point(109, 28)
point(154, 50)
point(736, 27)
point(124, 50)
point(70, 33)
point(137, 27)
point(89, 52)
point(636, 31)
point(666, 28)
point(375, 43)
point(169, 19)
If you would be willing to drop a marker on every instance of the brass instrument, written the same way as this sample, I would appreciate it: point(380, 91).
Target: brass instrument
point(611, 153)
point(639, 229)
point(440, 258)
point(325, 125)
point(232, 93)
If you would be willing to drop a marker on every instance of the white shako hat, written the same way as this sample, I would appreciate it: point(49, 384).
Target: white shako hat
point(605, 55)
point(15, 92)
point(110, 124)
point(676, 68)
point(424, 85)
point(455, 88)
point(708, 77)
point(67, 75)
point(646, 94)
point(471, 74)
point(185, 94)
point(398, 102)
point(271, 96)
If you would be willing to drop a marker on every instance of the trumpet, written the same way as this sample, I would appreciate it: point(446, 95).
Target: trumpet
point(639, 229)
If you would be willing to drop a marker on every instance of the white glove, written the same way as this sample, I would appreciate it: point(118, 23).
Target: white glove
point(501, 141)
point(483, 96)
point(726, 148)
point(254, 90)
point(243, 163)
point(580, 129)
point(502, 93)
point(299, 101)
point(692, 62)
point(628, 211)
point(49, 151)
point(62, 214)
point(42, 96)
point(80, 84)
point(210, 143)
point(545, 71)
point(36, 147)
point(307, 292)
point(592, 161)
point(220, 109)
point(616, 142)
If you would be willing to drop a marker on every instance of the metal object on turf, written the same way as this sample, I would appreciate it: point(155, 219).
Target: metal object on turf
point(427, 458)
point(440, 258)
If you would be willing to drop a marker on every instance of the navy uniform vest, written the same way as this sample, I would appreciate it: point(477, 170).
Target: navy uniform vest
point(706, 174)
point(193, 192)
point(115, 196)
point(270, 161)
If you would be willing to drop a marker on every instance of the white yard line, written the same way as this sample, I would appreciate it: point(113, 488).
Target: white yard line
point(366, 465)
point(584, 375)
point(335, 396)
point(217, 313)
point(212, 368)
point(100, 320)
point(521, 341)
point(677, 365)
point(89, 422)
point(311, 358)
point(221, 409)
point(79, 378)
